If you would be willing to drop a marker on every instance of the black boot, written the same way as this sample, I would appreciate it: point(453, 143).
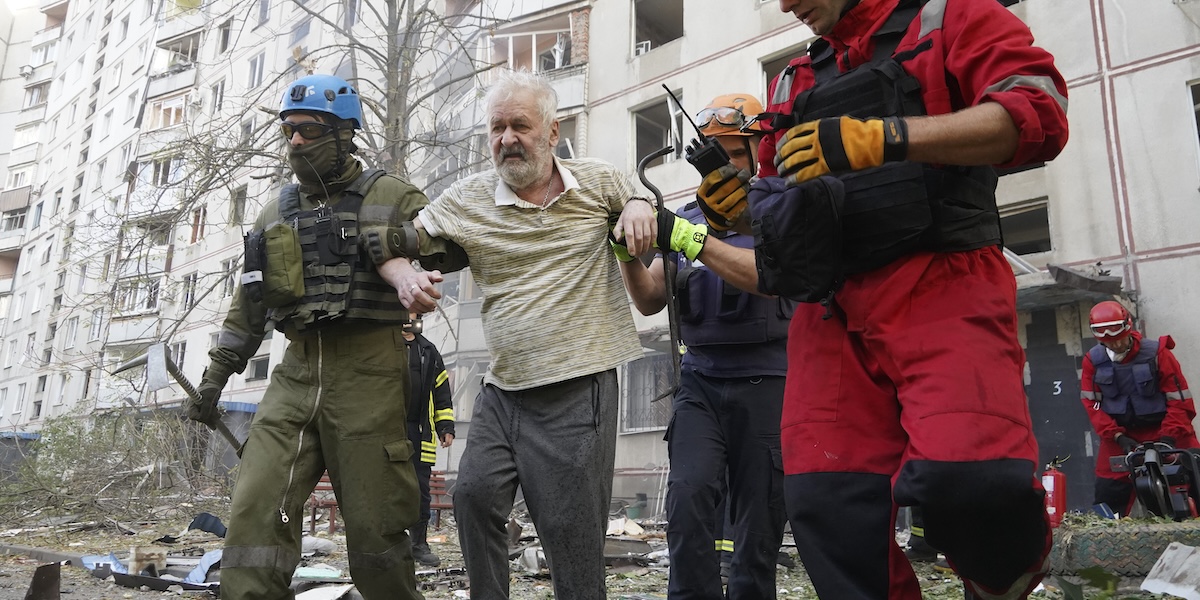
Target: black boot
point(420, 547)
point(919, 550)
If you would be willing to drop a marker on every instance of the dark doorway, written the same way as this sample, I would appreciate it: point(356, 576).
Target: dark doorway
point(1059, 421)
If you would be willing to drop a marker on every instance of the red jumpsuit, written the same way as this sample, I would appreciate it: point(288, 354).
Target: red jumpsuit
point(1115, 489)
point(913, 393)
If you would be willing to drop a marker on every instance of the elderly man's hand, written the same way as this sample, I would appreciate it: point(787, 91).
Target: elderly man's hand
point(415, 289)
point(637, 226)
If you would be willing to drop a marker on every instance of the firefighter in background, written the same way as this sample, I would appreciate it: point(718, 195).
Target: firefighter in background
point(1134, 392)
point(430, 423)
point(725, 421)
point(320, 268)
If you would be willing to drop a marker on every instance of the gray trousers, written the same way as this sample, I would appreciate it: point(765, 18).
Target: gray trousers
point(558, 442)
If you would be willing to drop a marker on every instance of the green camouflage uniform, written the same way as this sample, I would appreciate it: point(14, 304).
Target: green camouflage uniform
point(337, 402)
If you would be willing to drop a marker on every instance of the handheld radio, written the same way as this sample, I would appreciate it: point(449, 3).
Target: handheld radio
point(704, 153)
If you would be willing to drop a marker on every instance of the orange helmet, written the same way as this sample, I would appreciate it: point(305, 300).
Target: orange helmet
point(1110, 321)
point(727, 114)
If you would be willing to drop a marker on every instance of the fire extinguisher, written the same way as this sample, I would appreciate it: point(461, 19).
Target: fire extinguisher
point(1055, 483)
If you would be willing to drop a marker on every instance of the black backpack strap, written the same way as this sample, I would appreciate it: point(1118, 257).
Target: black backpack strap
point(289, 201)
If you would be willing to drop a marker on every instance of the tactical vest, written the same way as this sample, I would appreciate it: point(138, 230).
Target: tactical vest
point(1129, 391)
point(714, 315)
point(900, 207)
point(340, 284)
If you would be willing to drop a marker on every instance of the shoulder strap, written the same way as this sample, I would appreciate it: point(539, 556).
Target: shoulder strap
point(353, 195)
point(289, 201)
point(363, 183)
point(1098, 355)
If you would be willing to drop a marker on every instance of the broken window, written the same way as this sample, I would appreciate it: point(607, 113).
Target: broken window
point(13, 220)
point(179, 53)
point(72, 330)
point(237, 205)
point(97, 324)
point(257, 64)
point(137, 295)
point(177, 352)
point(258, 368)
point(217, 95)
point(1027, 227)
point(645, 379)
point(539, 46)
point(224, 35)
point(168, 112)
point(658, 125)
point(566, 139)
point(199, 217)
point(1196, 104)
point(162, 171)
point(189, 290)
point(656, 22)
point(36, 95)
point(229, 272)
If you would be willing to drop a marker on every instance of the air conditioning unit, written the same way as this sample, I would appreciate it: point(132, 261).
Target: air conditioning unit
point(641, 48)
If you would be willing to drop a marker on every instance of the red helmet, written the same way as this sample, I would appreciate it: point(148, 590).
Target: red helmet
point(1110, 321)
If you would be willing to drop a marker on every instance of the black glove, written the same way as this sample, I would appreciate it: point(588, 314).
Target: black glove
point(204, 408)
point(1126, 443)
point(1168, 440)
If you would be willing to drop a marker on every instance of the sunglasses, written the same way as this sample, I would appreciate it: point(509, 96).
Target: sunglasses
point(308, 131)
point(1110, 329)
point(725, 115)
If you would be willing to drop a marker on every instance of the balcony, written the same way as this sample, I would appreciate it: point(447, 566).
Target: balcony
point(133, 328)
point(180, 24)
point(11, 241)
point(48, 34)
point(177, 77)
point(33, 114)
point(571, 85)
point(25, 154)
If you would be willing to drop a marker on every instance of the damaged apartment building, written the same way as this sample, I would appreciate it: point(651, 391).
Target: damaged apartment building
point(112, 238)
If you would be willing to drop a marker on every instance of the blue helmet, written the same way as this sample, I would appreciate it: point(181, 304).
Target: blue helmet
point(323, 94)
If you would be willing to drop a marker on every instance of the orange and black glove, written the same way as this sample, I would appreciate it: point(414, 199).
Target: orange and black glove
point(810, 150)
point(722, 196)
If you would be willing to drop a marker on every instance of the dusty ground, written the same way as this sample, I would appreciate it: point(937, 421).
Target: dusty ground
point(633, 583)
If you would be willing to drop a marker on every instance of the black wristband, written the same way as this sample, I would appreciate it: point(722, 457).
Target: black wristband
point(895, 139)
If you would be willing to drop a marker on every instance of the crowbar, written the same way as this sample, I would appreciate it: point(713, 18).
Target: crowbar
point(670, 269)
point(158, 366)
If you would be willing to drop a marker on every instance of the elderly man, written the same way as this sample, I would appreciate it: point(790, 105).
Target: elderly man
point(557, 325)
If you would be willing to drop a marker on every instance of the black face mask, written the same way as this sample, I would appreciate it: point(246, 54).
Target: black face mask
point(316, 161)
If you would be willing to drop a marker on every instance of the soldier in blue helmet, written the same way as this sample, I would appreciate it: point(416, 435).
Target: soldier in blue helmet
point(323, 267)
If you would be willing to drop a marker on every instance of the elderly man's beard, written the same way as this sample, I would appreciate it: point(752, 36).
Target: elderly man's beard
point(524, 173)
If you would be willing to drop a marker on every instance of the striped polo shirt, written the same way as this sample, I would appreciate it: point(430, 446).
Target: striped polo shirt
point(554, 306)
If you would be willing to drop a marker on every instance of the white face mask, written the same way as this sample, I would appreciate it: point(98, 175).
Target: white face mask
point(1117, 356)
